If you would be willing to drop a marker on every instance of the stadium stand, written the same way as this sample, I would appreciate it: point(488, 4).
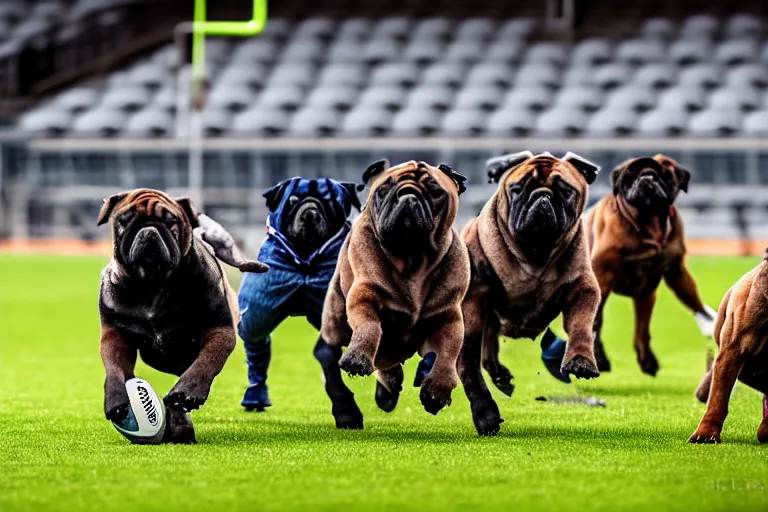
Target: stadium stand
point(322, 71)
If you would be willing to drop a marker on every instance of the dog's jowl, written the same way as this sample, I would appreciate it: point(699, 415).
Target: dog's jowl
point(397, 289)
point(740, 332)
point(530, 262)
point(163, 296)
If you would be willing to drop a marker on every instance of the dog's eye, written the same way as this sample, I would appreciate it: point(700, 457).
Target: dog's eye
point(515, 188)
point(126, 217)
point(292, 200)
point(566, 191)
point(433, 186)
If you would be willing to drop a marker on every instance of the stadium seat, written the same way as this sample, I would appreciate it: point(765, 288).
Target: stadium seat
point(315, 28)
point(395, 28)
point(517, 29)
point(464, 122)
point(546, 53)
point(423, 51)
point(101, 121)
point(431, 96)
point(231, 96)
point(511, 121)
point(150, 122)
point(390, 97)
point(747, 75)
point(409, 122)
point(260, 121)
point(704, 75)
point(641, 51)
point(663, 122)
point(433, 29)
point(685, 52)
point(333, 97)
point(482, 97)
point(735, 99)
point(612, 74)
point(465, 51)
point(505, 51)
point(481, 29)
point(255, 50)
point(216, 121)
point(291, 74)
point(286, 97)
point(538, 75)
point(579, 97)
point(354, 29)
point(756, 123)
point(631, 97)
point(561, 122)
point(528, 98)
point(655, 75)
point(148, 74)
point(715, 123)
point(303, 51)
point(46, 121)
point(253, 74)
point(126, 98)
point(699, 25)
point(579, 75)
point(591, 52)
point(613, 122)
point(737, 51)
point(491, 73)
point(343, 74)
point(382, 50)
point(445, 73)
point(363, 121)
point(690, 97)
point(77, 99)
point(314, 122)
point(404, 74)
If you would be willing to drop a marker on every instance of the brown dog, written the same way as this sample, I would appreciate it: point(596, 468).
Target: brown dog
point(164, 296)
point(530, 262)
point(740, 332)
point(397, 289)
point(636, 237)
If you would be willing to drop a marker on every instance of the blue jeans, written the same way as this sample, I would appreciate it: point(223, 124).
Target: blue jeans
point(267, 299)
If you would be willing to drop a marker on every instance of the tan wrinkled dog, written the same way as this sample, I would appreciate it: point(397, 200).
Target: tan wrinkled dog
point(397, 290)
point(741, 331)
point(530, 262)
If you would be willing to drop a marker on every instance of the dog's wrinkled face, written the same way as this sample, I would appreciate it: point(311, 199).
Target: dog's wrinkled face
point(412, 204)
point(650, 184)
point(541, 198)
point(152, 231)
point(309, 218)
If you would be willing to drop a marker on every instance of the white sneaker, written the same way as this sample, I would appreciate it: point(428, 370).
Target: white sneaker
point(706, 321)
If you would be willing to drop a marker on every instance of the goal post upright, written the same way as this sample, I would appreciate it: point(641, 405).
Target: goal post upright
point(200, 29)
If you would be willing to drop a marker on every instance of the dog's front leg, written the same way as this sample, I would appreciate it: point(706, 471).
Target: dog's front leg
point(363, 318)
point(643, 310)
point(446, 342)
point(578, 320)
point(191, 391)
point(119, 361)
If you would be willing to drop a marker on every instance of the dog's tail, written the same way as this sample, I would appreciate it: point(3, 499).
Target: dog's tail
point(223, 245)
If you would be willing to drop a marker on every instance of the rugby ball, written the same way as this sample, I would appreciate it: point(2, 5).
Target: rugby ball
point(145, 421)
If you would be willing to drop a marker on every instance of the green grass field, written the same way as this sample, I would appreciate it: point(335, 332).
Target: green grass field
point(58, 452)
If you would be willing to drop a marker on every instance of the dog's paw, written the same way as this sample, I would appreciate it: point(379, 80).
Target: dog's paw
point(349, 419)
point(116, 403)
point(649, 364)
point(488, 422)
point(179, 428)
point(187, 395)
point(356, 363)
point(503, 381)
point(434, 398)
point(117, 412)
point(580, 367)
point(384, 399)
point(704, 438)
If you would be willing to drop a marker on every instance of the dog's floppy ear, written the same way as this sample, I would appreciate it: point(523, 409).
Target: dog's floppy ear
point(497, 166)
point(352, 188)
point(109, 205)
point(588, 169)
point(615, 175)
point(375, 168)
point(682, 174)
point(275, 194)
point(459, 179)
point(189, 209)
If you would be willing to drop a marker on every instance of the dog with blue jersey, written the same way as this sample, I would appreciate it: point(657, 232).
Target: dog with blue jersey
point(307, 223)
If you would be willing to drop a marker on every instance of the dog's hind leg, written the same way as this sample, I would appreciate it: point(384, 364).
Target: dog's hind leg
point(643, 311)
point(343, 406)
point(728, 364)
point(485, 412)
point(388, 387)
point(500, 374)
point(762, 431)
point(702, 392)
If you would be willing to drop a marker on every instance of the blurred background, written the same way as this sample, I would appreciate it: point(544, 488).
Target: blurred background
point(94, 98)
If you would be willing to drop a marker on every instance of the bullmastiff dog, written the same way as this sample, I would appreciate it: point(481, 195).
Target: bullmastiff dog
point(397, 289)
point(164, 296)
point(637, 239)
point(530, 262)
point(741, 331)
